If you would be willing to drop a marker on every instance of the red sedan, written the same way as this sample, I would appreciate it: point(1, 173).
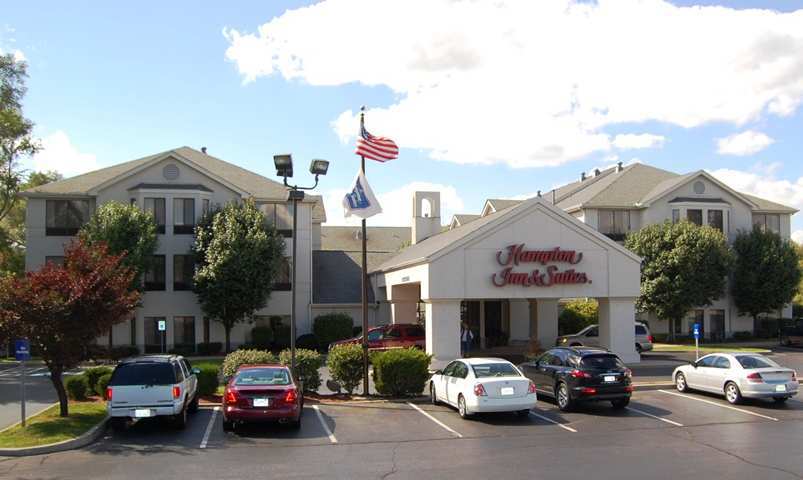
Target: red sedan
point(262, 393)
point(397, 335)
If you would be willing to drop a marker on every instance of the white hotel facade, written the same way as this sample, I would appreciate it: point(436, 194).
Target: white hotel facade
point(426, 272)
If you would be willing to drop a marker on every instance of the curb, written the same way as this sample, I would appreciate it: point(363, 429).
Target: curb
point(91, 436)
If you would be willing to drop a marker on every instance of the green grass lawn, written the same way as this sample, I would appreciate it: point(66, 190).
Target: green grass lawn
point(48, 427)
point(213, 362)
point(708, 347)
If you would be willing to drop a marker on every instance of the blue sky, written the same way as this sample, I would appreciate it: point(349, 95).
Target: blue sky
point(114, 81)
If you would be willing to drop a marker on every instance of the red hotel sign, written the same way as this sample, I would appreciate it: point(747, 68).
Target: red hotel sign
point(515, 255)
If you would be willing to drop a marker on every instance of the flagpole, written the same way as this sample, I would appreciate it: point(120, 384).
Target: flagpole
point(364, 282)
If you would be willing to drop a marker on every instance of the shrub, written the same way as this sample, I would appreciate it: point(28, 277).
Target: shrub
point(211, 348)
point(77, 387)
point(244, 357)
point(332, 327)
point(102, 383)
point(96, 352)
point(281, 336)
point(262, 337)
point(345, 365)
point(308, 362)
point(308, 341)
point(356, 331)
point(123, 351)
point(576, 315)
point(402, 371)
point(207, 379)
point(93, 374)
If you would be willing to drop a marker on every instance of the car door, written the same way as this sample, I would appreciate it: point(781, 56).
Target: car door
point(719, 373)
point(456, 382)
point(699, 377)
point(443, 381)
point(190, 378)
point(540, 373)
point(393, 337)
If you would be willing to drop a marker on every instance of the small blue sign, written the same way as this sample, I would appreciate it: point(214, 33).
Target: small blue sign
point(696, 331)
point(22, 350)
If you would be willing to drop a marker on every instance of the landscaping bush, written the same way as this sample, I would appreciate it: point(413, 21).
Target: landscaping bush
point(123, 351)
point(102, 383)
point(262, 337)
point(93, 374)
point(308, 362)
point(281, 337)
point(356, 331)
point(402, 371)
point(576, 315)
point(207, 379)
point(332, 327)
point(308, 341)
point(77, 387)
point(211, 348)
point(345, 365)
point(244, 357)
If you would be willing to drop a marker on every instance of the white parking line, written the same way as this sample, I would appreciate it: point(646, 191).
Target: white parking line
point(445, 427)
point(671, 422)
point(329, 433)
point(547, 419)
point(719, 405)
point(209, 427)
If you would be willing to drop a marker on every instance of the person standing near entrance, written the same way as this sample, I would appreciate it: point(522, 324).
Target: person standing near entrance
point(466, 336)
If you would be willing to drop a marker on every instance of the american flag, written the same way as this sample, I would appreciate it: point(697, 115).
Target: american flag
point(380, 149)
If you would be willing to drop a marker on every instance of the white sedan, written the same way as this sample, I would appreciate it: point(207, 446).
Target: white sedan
point(737, 376)
point(476, 385)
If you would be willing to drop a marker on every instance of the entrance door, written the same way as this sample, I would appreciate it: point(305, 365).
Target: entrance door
point(494, 332)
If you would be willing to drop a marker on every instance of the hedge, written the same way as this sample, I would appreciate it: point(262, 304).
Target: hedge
point(345, 365)
point(332, 327)
point(77, 387)
point(244, 357)
point(401, 371)
point(262, 337)
point(102, 383)
point(211, 348)
point(308, 364)
point(207, 379)
point(93, 374)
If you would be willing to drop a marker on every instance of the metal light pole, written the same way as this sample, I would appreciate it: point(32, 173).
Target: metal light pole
point(284, 168)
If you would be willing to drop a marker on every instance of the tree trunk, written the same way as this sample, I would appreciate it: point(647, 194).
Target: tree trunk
point(228, 338)
point(55, 377)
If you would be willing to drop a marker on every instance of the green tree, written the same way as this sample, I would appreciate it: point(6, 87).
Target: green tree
point(577, 314)
point(798, 300)
point(15, 130)
point(683, 266)
point(766, 273)
point(239, 256)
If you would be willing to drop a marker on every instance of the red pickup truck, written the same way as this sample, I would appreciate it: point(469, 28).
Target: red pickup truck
point(399, 335)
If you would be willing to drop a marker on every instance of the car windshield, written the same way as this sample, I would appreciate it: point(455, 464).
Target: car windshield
point(262, 376)
point(143, 374)
point(601, 362)
point(484, 370)
point(755, 361)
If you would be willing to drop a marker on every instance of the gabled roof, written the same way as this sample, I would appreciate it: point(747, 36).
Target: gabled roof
point(615, 189)
point(764, 205)
point(493, 205)
point(460, 219)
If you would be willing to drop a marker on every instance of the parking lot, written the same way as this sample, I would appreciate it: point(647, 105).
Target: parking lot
point(662, 434)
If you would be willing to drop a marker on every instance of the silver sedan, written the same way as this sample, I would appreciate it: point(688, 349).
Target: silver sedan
point(737, 376)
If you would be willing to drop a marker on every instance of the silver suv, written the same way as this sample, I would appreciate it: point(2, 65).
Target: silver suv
point(589, 337)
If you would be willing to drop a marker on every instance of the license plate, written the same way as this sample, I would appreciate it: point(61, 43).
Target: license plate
point(262, 402)
point(609, 378)
point(507, 391)
point(780, 388)
point(142, 413)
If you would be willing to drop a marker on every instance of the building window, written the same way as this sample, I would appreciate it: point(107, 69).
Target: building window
point(206, 329)
point(133, 201)
point(156, 206)
point(285, 276)
point(768, 221)
point(614, 223)
point(183, 272)
point(184, 331)
point(65, 217)
point(155, 275)
point(183, 215)
point(716, 320)
point(205, 206)
point(675, 215)
point(696, 316)
point(695, 216)
point(154, 339)
point(279, 215)
point(715, 220)
point(55, 260)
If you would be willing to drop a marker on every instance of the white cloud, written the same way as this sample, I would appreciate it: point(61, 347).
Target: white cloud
point(797, 236)
point(18, 55)
point(762, 182)
point(745, 143)
point(629, 141)
point(397, 205)
point(533, 83)
point(58, 153)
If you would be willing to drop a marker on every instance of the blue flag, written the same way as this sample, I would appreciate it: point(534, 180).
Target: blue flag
point(361, 201)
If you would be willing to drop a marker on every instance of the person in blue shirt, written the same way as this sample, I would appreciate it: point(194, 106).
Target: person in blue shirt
point(466, 336)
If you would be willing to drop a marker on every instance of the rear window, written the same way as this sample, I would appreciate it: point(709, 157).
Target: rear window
point(143, 374)
point(601, 362)
point(262, 376)
point(485, 370)
point(755, 361)
point(640, 330)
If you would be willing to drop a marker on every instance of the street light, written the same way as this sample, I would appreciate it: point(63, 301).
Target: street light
point(284, 168)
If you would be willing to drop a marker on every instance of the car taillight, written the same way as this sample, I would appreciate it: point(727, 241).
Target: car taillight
point(176, 392)
point(579, 374)
point(291, 396)
point(231, 396)
point(479, 390)
point(650, 339)
point(589, 390)
point(755, 378)
point(108, 393)
point(531, 388)
point(628, 373)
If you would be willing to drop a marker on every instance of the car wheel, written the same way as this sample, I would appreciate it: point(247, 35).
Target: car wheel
point(461, 407)
point(680, 383)
point(228, 426)
point(780, 400)
point(523, 413)
point(119, 423)
point(433, 397)
point(620, 403)
point(564, 399)
point(193, 407)
point(639, 349)
point(732, 393)
point(180, 420)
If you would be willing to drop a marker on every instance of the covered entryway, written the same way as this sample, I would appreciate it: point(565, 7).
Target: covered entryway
point(505, 274)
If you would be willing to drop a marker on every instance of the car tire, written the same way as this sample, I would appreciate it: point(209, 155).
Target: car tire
point(780, 400)
point(228, 425)
point(732, 393)
point(193, 407)
point(432, 395)
point(639, 349)
point(523, 413)
point(462, 409)
point(680, 383)
point(620, 403)
point(564, 397)
point(296, 424)
point(119, 424)
point(180, 420)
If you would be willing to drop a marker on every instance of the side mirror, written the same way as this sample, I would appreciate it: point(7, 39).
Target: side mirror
point(196, 371)
point(438, 372)
point(693, 364)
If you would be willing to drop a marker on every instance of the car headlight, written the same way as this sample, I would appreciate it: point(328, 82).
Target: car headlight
point(564, 340)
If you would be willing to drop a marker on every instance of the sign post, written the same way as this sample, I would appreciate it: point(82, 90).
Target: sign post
point(696, 332)
point(22, 353)
point(163, 329)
